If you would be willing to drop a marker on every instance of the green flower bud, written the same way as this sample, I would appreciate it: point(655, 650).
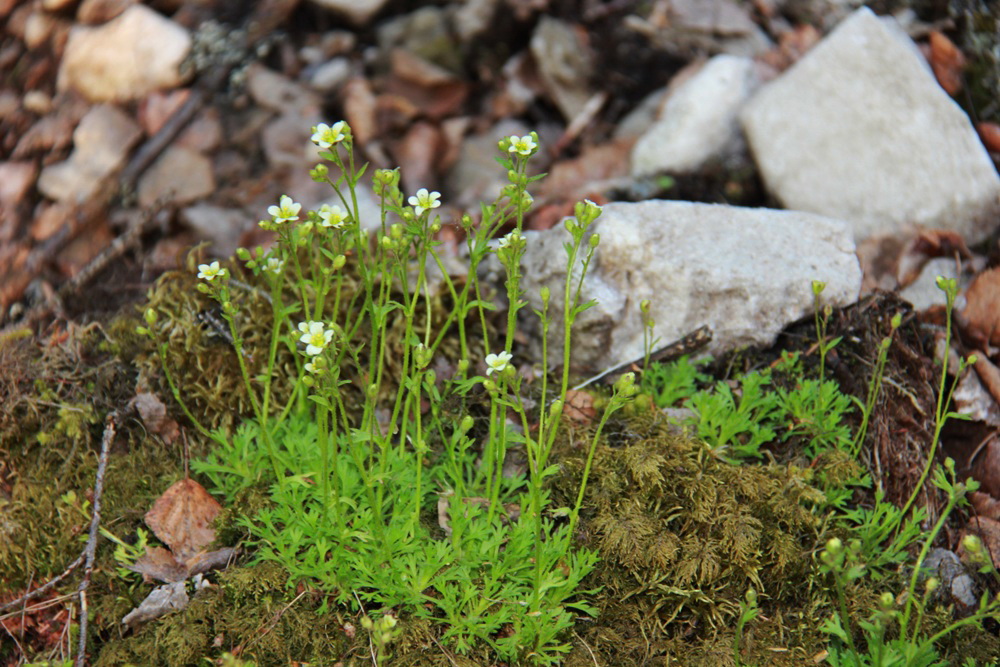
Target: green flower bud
point(886, 601)
point(818, 287)
point(338, 262)
point(150, 316)
point(897, 319)
point(834, 546)
point(595, 240)
point(371, 392)
point(644, 306)
point(396, 231)
point(142, 331)
point(751, 597)
point(490, 386)
point(466, 424)
point(436, 226)
point(463, 366)
point(243, 254)
point(386, 242)
point(973, 544)
point(556, 408)
point(932, 584)
point(971, 361)
point(545, 293)
point(319, 173)
point(430, 377)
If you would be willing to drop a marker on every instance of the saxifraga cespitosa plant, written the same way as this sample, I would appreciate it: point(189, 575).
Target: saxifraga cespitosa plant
point(353, 496)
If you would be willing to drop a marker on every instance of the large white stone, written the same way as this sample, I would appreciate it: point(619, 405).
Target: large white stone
point(860, 130)
point(126, 58)
point(699, 121)
point(745, 273)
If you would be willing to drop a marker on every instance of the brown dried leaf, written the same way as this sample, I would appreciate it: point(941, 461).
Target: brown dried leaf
point(580, 407)
point(980, 319)
point(182, 518)
point(985, 505)
point(947, 62)
point(163, 600)
point(154, 416)
point(989, 531)
point(160, 564)
point(924, 247)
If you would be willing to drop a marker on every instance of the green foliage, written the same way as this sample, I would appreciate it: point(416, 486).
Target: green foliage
point(882, 547)
point(672, 383)
point(914, 646)
point(736, 421)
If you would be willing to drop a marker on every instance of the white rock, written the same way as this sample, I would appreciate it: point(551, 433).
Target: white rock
point(745, 273)
point(179, 176)
point(860, 130)
point(924, 292)
point(357, 12)
point(101, 143)
point(125, 59)
point(699, 121)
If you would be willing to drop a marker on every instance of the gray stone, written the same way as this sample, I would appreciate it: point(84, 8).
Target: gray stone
point(101, 143)
point(277, 92)
point(222, 226)
point(180, 176)
point(699, 121)
point(331, 75)
point(745, 273)
point(564, 63)
point(860, 130)
point(125, 59)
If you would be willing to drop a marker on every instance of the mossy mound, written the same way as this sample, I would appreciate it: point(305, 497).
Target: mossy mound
point(682, 535)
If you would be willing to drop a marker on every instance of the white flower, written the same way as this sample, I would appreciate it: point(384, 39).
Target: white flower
point(315, 336)
point(210, 271)
point(286, 210)
point(332, 216)
point(311, 368)
point(424, 200)
point(511, 237)
point(274, 265)
point(326, 136)
point(497, 362)
point(522, 145)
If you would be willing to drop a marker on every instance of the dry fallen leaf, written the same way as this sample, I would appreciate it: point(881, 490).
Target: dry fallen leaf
point(989, 531)
point(980, 318)
point(163, 600)
point(182, 518)
point(580, 407)
point(925, 246)
point(154, 416)
point(985, 505)
point(160, 564)
point(947, 62)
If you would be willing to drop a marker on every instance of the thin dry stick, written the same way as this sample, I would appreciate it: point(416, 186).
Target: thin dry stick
point(586, 646)
point(42, 590)
point(110, 428)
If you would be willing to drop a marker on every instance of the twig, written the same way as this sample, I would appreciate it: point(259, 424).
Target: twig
point(42, 590)
point(110, 428)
